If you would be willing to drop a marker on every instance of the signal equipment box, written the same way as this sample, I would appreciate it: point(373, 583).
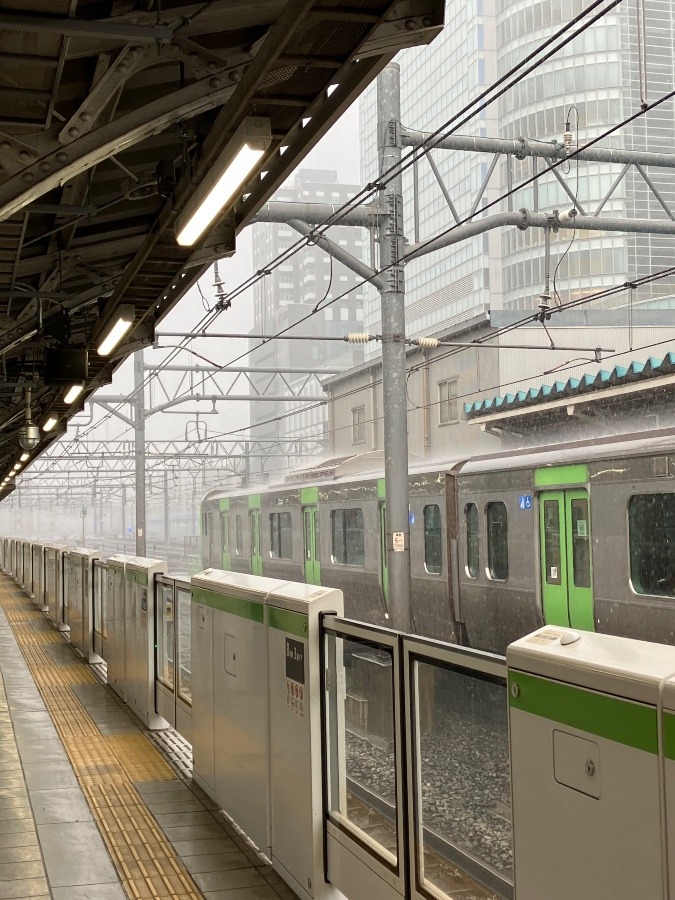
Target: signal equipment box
point(584, 724)
point(256, 714)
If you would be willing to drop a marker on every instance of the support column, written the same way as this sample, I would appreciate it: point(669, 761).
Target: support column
point(392, 302)
point(139, 451)
point(166, 506)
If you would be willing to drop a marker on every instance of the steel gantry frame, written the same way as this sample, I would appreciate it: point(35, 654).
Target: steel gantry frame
point(385, 217)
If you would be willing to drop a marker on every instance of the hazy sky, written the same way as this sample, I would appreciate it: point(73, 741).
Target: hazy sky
point(338, 150)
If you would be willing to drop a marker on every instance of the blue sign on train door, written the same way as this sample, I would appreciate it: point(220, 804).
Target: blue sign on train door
point(525, 501)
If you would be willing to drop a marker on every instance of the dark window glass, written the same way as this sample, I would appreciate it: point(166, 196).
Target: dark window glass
point(552, 559)
point(238, 535)
point(581, 543)
point(497, 539)
point(347, 537)
point(651, 531)
point(281, 535)
point(433, 553)
point(308, 533)
point(472, 552)
point(225, 531)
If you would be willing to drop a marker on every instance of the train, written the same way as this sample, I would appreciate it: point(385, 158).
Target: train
point(578, 534)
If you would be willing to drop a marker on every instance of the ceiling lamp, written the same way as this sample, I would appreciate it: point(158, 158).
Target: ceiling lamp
point(73, 393)
point(241, 154)
point(49, 424)
point(123, 319)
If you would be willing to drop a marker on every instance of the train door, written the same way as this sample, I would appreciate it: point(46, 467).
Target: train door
point(256, 554)
point(384, 569)
point(566, 582)
point(310, 519)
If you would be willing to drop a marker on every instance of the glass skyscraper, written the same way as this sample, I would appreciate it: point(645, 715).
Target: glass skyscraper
point(592, 84)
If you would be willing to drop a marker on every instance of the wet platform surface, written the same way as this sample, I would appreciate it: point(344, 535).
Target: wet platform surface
point(89, 807)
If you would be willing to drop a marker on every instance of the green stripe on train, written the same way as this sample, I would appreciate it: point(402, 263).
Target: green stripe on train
point(613, 718)
point(556, 475)
point(309, 496)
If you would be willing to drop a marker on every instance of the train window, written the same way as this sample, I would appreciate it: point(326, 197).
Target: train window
point(281, 535)
point(472, 551)
point(225, 531)
point(238, 535)
point(347, 537)
point(552, 546)
point(497, 541)
point(651, 534)
point(433, 554)
point(581, 543)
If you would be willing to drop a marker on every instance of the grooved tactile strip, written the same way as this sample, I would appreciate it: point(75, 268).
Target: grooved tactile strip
point(106, 765)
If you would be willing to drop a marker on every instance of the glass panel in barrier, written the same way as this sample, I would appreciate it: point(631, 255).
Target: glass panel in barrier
point(165, 635)
point(183, 600)
point(98, 590)
point(361, 748)
point(462, 782)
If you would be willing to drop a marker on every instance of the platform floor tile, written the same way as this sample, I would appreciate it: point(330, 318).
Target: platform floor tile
point(90, 806)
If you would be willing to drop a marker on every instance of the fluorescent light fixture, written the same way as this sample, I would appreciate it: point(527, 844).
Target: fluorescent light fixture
point(124, 318)
point(49, 424)
point(24, 457)
point(73, 393)
point(239, 157)
point(16, 467)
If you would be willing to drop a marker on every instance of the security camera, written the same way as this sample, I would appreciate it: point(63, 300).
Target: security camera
point(29, 436)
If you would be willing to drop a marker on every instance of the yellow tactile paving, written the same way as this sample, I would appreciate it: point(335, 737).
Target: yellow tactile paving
point(106, 765)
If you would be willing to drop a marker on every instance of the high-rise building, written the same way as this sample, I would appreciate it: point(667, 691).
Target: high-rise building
point(455, 283)
point(306, 280)
point(591, 84)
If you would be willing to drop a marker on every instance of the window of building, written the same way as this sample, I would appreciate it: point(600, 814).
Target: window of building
point(347, 539)
point(447, 402)
point(497, 541)
point(281, 535)
point(651, 535)
point(358, 424)
point(433, 552)
point(238, 535)
point(472, 546)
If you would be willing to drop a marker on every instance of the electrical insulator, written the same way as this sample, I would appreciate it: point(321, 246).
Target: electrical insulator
point(567, 141)
point(427, 343)
point(359, 337)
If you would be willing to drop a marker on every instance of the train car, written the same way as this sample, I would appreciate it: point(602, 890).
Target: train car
point(581, 535)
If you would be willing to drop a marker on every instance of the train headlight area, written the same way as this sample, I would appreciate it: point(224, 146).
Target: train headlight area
point(359, 761)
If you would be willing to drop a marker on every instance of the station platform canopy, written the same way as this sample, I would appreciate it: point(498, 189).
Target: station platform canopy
point(114, 115)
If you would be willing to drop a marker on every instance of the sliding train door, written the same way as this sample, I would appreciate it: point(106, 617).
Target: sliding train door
point(565, 552)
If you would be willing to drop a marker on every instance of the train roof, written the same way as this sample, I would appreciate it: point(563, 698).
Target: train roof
point(645, 443)
point(366, 466)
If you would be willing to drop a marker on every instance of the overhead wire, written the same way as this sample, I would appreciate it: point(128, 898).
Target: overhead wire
point(429, 142)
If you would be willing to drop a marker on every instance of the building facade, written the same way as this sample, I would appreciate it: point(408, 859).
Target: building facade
point(455, 283)
point(589, 86)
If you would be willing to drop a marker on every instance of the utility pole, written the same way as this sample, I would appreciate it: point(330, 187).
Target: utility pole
point(139, 451)
point(392, 305)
